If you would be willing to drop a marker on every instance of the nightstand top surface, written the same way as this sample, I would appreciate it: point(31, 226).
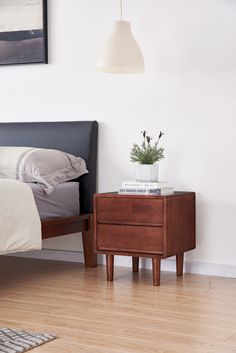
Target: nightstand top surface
point(115, 194)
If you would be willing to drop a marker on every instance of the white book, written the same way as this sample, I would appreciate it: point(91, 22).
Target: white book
point(146, 191)
point(144, 184)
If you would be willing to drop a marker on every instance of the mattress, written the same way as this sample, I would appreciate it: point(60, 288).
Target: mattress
point(62, 202)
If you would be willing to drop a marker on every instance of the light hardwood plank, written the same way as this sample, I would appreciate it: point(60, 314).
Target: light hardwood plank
point(190, 314)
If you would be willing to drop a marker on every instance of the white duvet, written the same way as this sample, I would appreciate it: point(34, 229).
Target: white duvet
point(20, 226)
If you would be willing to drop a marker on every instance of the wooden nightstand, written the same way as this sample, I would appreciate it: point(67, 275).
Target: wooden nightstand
point(144, 226)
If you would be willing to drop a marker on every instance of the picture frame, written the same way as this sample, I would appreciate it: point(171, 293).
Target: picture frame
point(23, 32)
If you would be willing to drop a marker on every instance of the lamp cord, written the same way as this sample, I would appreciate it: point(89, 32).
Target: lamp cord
point(121, 10)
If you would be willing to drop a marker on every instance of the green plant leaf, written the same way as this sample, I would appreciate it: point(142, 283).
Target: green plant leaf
point(147, 153)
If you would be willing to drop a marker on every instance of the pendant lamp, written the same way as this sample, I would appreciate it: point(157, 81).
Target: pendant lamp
point(121, 53)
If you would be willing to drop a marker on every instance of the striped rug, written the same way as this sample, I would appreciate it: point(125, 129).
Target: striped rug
point(14, 341)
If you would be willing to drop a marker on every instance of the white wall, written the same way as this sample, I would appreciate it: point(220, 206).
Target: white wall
point(188, 91)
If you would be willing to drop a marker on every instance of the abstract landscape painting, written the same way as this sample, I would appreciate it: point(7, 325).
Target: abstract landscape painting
point(23, 31)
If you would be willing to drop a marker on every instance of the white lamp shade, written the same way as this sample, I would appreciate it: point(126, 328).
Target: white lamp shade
point(121, 53)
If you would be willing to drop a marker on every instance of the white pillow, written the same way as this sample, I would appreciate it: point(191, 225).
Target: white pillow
point(47, 167)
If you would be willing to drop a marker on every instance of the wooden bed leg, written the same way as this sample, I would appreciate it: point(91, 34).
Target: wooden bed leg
point(90, 257)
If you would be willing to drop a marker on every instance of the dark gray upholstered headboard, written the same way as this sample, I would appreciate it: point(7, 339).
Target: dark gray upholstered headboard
point(75, 137)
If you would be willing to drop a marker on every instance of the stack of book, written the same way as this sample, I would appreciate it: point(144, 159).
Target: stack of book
point(145, 188)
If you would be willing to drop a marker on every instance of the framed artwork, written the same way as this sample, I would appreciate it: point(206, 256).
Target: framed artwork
point(23, 32)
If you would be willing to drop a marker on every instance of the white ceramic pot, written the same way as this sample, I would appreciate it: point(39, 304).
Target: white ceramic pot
point(146, 172)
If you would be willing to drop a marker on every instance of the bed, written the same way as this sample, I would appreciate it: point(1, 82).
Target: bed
point(63, 202)
point(80, 139)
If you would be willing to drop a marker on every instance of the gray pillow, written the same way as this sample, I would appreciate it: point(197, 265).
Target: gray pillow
point(47, 167)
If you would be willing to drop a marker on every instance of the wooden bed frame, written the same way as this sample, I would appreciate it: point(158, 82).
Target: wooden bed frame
point(63, 226)
point(78, 138)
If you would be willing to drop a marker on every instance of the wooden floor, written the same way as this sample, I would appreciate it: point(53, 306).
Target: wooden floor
point(184, 315)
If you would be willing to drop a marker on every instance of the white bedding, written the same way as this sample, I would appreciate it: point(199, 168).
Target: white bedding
point(20, 226)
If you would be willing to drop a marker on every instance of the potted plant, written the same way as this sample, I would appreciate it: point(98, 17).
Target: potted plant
point(146, 156)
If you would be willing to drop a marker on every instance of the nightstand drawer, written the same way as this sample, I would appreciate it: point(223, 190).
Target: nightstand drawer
point(130, 238)
point(129, 210)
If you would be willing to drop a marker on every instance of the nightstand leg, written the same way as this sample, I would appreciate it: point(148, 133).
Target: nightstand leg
point(156, 270)
point(135, 262)
point(110, 266)
point(179, 264)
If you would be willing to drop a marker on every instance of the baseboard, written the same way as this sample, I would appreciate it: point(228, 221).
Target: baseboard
point(58, 255)
point(195, 267)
